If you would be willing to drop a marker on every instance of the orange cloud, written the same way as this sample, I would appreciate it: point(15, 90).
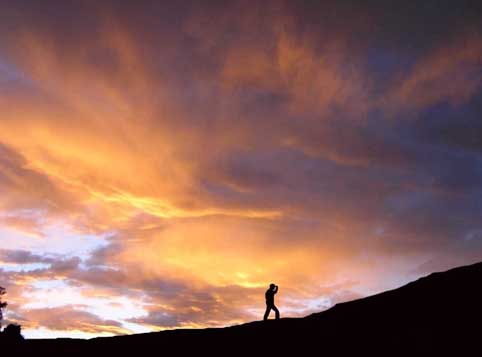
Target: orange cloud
point(313, 75)
point(68, 319)
point(447, 74)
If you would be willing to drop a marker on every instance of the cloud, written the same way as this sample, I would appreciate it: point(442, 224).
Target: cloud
point(22, 257)
point(68, 318)
point(27, 192)
point(447, 74)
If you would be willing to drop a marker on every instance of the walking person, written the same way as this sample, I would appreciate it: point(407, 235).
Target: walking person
point(269, 295)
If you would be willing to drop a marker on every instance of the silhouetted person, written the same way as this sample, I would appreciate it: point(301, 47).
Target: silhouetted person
point(273, 289)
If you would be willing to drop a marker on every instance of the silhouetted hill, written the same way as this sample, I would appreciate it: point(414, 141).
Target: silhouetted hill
point(440, 313)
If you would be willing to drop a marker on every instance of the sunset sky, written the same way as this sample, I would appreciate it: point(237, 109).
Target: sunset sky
point(162, 162)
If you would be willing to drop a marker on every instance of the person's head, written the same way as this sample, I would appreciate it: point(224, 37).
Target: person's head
point(272, 286)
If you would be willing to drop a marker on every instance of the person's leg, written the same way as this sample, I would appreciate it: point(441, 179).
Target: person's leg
point(266, 314)
point(276, 311)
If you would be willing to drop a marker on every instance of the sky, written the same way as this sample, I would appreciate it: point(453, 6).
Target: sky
point(163, 162)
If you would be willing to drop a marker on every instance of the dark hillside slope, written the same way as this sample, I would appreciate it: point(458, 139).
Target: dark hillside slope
point(440, 313)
